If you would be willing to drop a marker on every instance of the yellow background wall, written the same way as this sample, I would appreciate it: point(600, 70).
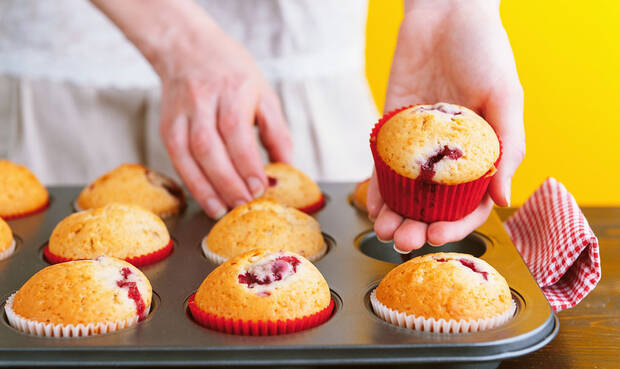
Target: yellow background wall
point(568, 59)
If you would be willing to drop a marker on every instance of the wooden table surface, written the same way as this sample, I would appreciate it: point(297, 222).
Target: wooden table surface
point(589, 334)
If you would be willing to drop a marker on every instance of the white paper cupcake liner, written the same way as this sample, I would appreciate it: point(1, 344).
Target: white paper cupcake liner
point(219, 259)
point(8, 252)
point(63, 330)
point(420, 323)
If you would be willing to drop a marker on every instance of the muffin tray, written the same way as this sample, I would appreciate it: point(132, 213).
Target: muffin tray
point(355, 263)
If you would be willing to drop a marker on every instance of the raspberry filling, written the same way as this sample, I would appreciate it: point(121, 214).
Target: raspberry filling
point(427, 171)
point(267, 273)
point(444, 108)
point(468, 264)
point(272, 181)
point(133, 292)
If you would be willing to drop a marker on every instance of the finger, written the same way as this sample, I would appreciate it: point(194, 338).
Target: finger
point(440, 233)
point(410, 235)
point(505, 114)
point(175, 135)
point(272, 128)
point(386, 224)
point(210, 153)
point(236, 115)
point(374, 201)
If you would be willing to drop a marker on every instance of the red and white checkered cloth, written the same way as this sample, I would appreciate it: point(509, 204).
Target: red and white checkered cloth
point(557, 244)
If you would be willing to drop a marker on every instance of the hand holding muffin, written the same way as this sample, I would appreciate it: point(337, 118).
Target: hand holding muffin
point(457, 53)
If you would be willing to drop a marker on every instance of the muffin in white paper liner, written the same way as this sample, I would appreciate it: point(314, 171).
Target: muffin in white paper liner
point(42, 329)
point(8, 252)
point(219, 259)
point(451, 326)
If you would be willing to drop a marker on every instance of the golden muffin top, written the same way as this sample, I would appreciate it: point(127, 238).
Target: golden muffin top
point(290, 186)
point(445, 286)
point(442, 143)
point(265, 224)
point(264, 285)
point(20, 191)
point(358, 197)
point(6, 237)
point(134, 184)
point(118, 230)
point(84, 292)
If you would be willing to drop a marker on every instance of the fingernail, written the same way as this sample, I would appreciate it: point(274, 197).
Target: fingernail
point(256, 187)
point(508, 195)
point(432, 244)
point(399, 250)
point(383, 241)
point(215, 208)
point(238, 203)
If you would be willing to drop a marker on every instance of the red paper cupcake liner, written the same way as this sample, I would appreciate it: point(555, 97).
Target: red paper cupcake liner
point(426, 201)
point(258, 328)
point(313, 208)
point(136, 261)
point(27, 213)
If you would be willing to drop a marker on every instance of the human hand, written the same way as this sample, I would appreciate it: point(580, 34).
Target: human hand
point(212, 93)
point(458, 52)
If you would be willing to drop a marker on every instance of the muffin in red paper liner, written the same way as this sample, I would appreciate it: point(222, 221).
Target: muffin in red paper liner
point(123, 231)
point(134, 184)
point(444, 293)
point(21, 193)
point(264, 224)
point(80, 298)
point(291, 187)
point(7, 242)
point(434, 162)
point(262, 293)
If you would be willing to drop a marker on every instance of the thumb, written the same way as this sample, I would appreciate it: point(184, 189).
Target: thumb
point(505, 114)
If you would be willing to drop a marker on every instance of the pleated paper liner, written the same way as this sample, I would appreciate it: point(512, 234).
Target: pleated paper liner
point(426, 201)
point(450, 326)
point(315, 207)
point(43, 329)
point(219, 259)
point(137, 261)
point(9, 251)
point(27, 213)
point(258, 328)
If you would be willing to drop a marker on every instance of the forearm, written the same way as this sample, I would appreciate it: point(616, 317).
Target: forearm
point(160, 29)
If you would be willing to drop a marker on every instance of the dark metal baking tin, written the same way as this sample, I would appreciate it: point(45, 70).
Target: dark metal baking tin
point(354, 335)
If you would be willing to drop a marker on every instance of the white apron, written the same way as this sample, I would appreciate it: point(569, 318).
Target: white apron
point(77, 99)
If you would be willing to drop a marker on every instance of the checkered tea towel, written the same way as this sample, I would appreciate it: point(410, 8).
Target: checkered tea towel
point(557, 244)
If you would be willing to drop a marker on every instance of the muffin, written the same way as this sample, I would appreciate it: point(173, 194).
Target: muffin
point(80, 298)
point(358, 197)
point(7, 242)
point(264, 224)
point(434, 162)
point(21, 193)
point(123, 231)
point(444, 293)
point(262, 292)
point(134, 184)
point(291, 187)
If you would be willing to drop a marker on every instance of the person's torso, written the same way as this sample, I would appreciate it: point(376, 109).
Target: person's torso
point(71, 40)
